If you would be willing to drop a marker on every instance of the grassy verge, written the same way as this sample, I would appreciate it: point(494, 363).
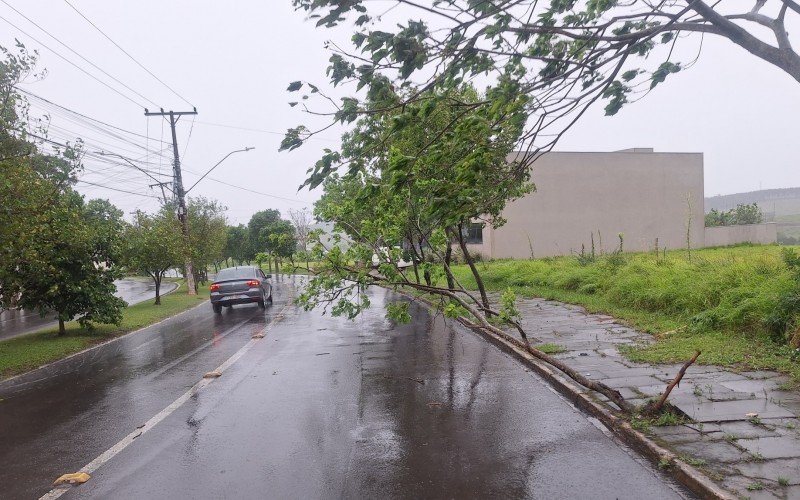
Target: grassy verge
point(718, 302)
point(27, 352)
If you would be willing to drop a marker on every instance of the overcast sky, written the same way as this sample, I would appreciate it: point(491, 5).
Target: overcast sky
point(233, 61)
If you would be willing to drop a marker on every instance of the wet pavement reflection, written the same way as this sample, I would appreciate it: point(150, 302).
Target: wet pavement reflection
point(323, 407)
point(62, 416)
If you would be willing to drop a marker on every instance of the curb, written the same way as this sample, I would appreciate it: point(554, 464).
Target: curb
point(688, 476)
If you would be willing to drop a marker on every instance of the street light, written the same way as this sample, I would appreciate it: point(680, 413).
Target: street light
point(217, 164)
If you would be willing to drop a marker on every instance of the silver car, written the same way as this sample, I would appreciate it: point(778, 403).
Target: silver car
point(240, 285)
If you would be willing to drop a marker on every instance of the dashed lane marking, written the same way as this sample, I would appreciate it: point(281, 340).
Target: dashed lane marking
point(139, 431)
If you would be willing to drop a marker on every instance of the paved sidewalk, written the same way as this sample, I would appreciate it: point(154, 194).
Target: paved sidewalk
point(754, 456)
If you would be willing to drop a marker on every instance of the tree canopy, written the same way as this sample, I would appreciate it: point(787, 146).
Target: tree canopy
point(565, 55)
point(152, 245)
point(57, 252)
point(742, 214)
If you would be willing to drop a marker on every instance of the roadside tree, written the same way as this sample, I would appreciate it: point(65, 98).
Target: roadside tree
point(207, 234)
point(272, 235)
point(418, 173)
point(152, 246)
point(57, 253)
point(302, 220)
point(237, 245)
point(69, 266)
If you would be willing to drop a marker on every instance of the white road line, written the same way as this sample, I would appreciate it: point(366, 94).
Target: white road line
point(204, 345)
point(127, 440)
point(146, 343)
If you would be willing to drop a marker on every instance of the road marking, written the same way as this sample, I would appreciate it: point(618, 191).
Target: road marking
point(197, 349)
point(146, 343)
point(127, 440)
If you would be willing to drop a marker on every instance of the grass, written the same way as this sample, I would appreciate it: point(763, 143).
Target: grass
point(549, 348)
point(696, 462)
point(27, 352)
point(717, 303)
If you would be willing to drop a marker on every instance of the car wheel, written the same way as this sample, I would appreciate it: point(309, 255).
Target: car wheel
point(270, 297)
point(262, 303)
point(217, 308)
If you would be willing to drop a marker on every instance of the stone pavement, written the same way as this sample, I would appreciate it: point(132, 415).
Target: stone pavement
point(745, 431)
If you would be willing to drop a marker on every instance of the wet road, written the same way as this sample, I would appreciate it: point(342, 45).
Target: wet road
point(320, 407)
point(15, 323)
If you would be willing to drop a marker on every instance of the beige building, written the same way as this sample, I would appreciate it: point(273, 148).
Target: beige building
point(638, 193)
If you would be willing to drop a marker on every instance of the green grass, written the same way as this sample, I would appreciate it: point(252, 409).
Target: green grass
point(27, 352)
point(549, 348)
point(717, 302)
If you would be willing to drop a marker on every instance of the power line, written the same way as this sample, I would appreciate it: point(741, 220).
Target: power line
point(96, 156)
point(31, 94)
point(251, 190)
point(76, 53)
point(66, 133)
point(191, 128)
point(70, 62)
point(127, 54)
point(83, 120)
point(117, 189)
point(262, 131)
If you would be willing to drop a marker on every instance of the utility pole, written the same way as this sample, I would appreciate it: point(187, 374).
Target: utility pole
point(174, 116)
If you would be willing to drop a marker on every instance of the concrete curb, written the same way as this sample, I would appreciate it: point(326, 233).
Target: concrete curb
point(697, 482)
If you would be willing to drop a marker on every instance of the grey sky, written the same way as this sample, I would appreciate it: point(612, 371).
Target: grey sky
point(233, 60)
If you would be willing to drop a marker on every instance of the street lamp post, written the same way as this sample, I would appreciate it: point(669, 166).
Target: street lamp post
point(182, 209)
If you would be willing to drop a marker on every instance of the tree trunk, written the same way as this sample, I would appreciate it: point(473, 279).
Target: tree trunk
point(416, 271)
point(426, 274)
point(471, 263)
point(448, 255)
point(158, 290)
point(61, 330)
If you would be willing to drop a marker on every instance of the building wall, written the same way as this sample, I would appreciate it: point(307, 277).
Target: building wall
point(639, 193)
point(749, 233)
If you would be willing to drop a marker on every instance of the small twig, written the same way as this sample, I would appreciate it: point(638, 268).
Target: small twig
point(676, 381)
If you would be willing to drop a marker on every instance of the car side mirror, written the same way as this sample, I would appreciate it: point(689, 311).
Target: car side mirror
point(269, 276)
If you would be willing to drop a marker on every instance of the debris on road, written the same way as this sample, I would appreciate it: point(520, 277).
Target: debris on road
point(213, 374)
point(74, 478)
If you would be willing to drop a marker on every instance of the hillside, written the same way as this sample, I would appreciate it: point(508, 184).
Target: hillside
point(777, 204)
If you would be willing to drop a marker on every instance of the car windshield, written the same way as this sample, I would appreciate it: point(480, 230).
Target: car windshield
point(235, 273)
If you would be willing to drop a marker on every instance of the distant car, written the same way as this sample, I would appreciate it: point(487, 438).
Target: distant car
point(376, 261)
point(240, 285)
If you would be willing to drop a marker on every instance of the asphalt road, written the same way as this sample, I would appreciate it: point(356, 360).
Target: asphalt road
point(14, 323)
point(321, 407)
